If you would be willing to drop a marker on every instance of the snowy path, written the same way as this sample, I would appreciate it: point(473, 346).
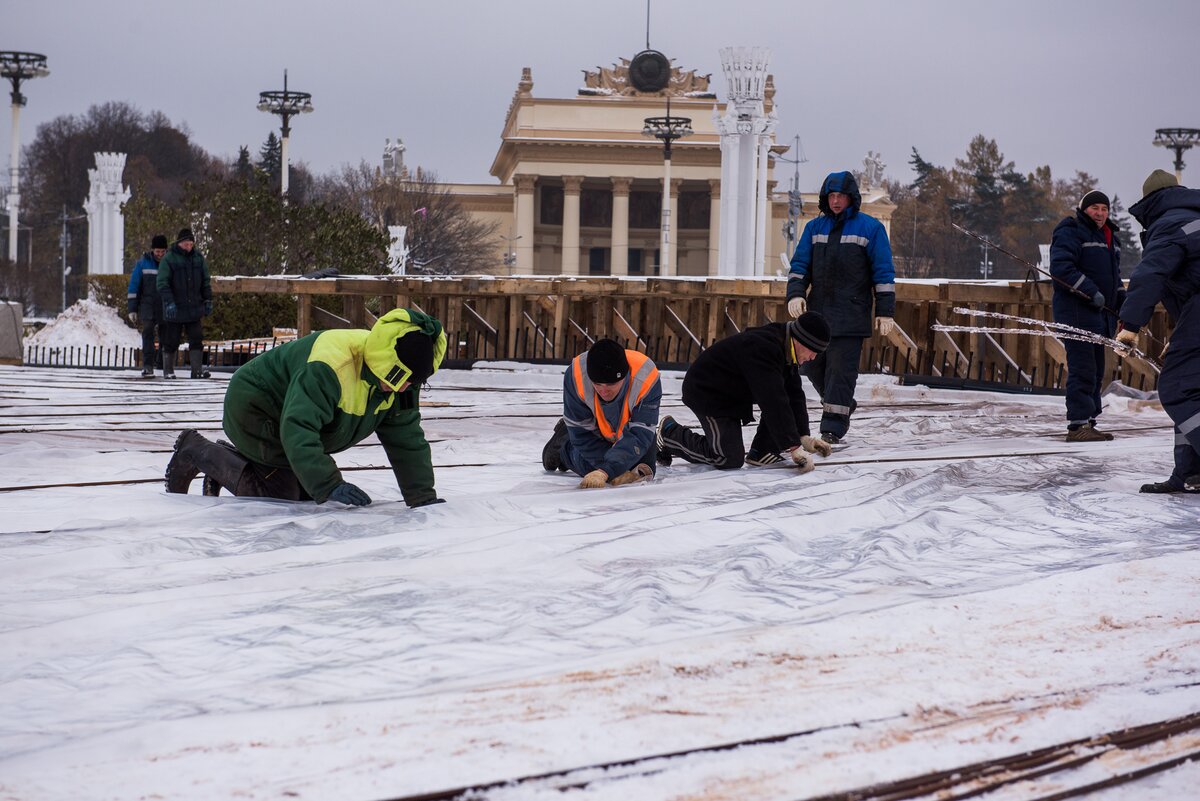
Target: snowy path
point(198, 647)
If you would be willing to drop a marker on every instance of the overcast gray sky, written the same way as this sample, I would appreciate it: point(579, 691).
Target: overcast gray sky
point(1076, 85)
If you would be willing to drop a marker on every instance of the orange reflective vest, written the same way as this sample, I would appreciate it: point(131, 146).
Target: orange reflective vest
point(642, 376)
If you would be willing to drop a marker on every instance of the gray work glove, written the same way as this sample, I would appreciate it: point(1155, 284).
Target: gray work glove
point(350, 495)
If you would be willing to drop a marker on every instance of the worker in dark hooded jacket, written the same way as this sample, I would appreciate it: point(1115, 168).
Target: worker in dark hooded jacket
point(287, 410)
point(1085, 258)
point(843, 258)
point(1169, 273)
point(759, 366)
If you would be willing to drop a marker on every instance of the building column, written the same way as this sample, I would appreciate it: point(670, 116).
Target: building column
point(570, 230)
point(714, 226)
point(672, 266)
point(524, 211)
point(620, 225)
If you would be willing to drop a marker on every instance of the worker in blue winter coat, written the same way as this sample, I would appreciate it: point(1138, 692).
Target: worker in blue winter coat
point(143, 303)
point(1169, 272)
point(610, 411)
point(843, 258)
point(1085, 260)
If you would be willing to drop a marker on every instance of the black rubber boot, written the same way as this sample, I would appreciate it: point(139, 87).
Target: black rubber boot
point(211, 486)
point(551, 459)
point(147, 363)
point(221, 464)
point(168, 364)
point(1166, 488)
point(181, 470)
point(198, 370)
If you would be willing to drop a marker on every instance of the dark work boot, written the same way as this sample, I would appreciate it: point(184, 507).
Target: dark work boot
point(147, 363)
point(168, 364)
point(182, 469)
point(551, 452)
point(198, 370)
point(221, 464)
point(1168, 487)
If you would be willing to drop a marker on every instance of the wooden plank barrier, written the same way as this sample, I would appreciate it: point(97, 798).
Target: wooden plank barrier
point(553, 318)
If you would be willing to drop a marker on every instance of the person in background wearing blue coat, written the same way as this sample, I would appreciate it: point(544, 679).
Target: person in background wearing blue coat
point(1085, 260)
point(610, 412)
point(142, 302)
point(1169, 272)
point(843, 258)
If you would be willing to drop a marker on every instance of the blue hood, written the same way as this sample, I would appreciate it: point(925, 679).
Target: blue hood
point(1156, 204)
point(840, 182)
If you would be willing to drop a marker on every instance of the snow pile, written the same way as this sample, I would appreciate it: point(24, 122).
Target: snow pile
point(87, 323)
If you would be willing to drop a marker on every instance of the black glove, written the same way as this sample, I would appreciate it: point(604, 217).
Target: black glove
point(170, 312)
point(1098, 300)
point(350, 495)
point(429, 502)
point(208, 308)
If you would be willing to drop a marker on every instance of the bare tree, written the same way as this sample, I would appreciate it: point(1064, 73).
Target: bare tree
point(442, 237)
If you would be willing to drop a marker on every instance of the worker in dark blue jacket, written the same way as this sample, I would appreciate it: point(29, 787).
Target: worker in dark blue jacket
point(842, 261)
point(143, 303)
point(1170, 273)
point(1085, 260)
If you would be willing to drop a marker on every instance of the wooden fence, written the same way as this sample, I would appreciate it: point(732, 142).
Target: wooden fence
point(672, 320)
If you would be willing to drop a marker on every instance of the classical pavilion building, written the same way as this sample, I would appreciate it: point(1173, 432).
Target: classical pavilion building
point(580, 186)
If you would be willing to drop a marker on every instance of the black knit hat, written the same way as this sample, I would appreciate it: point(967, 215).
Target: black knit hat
point(185, 235)
point(159, 242)
point(811, 331)
point(415, 350)
point(606, 362)
point(1092, 198)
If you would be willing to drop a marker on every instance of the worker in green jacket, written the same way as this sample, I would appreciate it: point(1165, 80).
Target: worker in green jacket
point(287, 410)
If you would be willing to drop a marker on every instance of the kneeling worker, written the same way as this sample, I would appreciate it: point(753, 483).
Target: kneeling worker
point(287, 410)
point(758, 366)
point(610, 410)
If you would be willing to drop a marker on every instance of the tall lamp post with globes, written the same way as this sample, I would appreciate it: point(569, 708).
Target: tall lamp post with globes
point(17, 67)
point(285, 104)
point(1179, 140)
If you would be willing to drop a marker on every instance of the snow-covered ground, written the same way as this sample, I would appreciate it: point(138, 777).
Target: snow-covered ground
point(957, 584)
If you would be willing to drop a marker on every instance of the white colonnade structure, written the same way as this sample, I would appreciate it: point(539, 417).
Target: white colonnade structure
point(746, 134)
point(106, 222)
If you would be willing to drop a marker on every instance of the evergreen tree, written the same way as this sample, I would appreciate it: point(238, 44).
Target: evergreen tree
point(270, 157)
point(242, 168)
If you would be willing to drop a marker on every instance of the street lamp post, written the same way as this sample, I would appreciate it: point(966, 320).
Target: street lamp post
point(285, 104)
point(795, 202)
point(1179, 140)
point(985, 266)
point(64, 242)
point(667, 129)
point(17, 67)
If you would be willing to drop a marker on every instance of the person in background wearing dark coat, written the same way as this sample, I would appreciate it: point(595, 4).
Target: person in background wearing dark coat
point(186, 290)
point(1169, 272)
point(842, 259)
point(610, 410)
point(143, 304)
point(757, 366)
point(1085, 258)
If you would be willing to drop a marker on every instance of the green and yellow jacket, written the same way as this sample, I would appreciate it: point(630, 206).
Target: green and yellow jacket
point(296, 404)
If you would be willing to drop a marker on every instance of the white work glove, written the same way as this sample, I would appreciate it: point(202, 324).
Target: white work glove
point(639, 471)
point(133, 317)
point(1127, 337)
point(797, 306)
point(594, 480)
point(815, 445)
point(885, 325)
point(803, 462)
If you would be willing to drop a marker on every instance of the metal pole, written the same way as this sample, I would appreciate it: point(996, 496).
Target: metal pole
point(664, 259)
point(63, 244)
point(14, 174)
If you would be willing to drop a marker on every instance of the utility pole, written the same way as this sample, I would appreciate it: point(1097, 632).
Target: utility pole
point(64, 242)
